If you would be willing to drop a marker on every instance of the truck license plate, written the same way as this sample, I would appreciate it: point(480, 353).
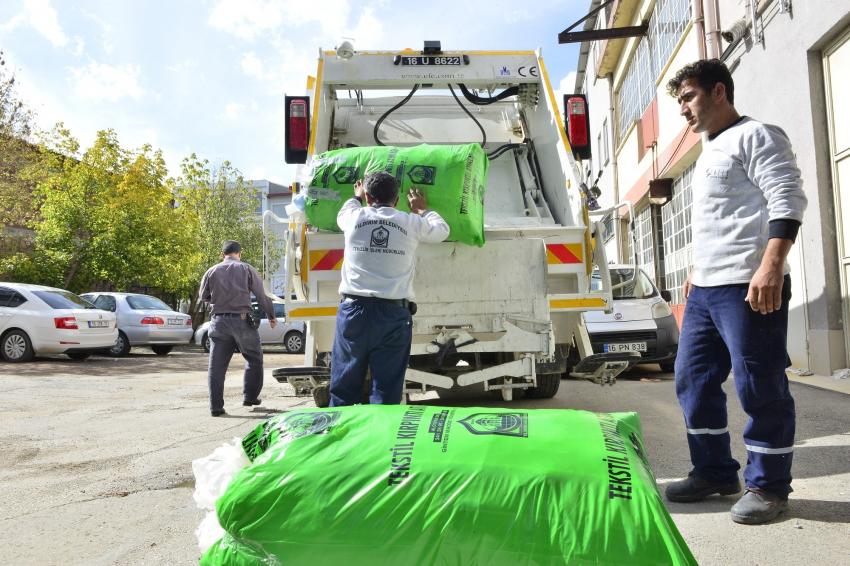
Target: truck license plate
point(98, 323)
point(626, 347)
point(430, 60)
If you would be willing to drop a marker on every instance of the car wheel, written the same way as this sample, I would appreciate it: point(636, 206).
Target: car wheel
point(16, 347)
point(78, 356)
point(668, 367)
point(121, 347)
point(161, 350)
point(294, 342)
point(205, 342)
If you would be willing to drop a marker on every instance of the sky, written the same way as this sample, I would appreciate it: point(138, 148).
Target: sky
point(209, 76)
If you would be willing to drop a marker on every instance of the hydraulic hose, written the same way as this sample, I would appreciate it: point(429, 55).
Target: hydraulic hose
point(468, 113)
point(390, 111)
point(482, 101)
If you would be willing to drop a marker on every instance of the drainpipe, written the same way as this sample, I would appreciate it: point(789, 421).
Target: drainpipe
point(699, 23)
point(712, 31)
point(615, 172)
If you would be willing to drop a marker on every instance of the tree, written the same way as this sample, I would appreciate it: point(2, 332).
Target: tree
point(19, 157)
point(225, 205)
point(107, 216)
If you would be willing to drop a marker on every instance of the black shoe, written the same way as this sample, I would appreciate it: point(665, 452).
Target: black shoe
point(694, 488)
point(757, 506)
point(218, 413)
point(252, 402)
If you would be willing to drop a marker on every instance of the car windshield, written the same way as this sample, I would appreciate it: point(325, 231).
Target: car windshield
point(640, 288)
point(143, 302)
point(63, 300)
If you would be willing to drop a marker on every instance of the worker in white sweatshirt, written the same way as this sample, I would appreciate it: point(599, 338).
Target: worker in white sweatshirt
point(748, 205)
point(374, 323)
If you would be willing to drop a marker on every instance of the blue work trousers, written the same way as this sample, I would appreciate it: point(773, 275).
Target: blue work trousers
point(721, 332)
point(226, 333)
point(374, 335)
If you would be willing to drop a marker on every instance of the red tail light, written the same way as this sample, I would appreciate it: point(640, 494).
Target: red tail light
point(297, 134)
point(152, 320)
point(188, 322)
point(65, 322)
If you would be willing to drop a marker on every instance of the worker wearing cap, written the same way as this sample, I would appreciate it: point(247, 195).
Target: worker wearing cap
point(227, 287)
point(374, 324)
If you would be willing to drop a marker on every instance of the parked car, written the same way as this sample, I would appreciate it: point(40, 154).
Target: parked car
point(144, 321)
point(290, 335)
point(37, 320)
point(641, 321)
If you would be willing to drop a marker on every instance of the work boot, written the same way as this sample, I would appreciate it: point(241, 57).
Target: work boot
point(757, 506)
point(694, 488)
point(251, 402)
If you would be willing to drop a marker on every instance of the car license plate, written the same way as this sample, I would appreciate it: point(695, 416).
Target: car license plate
point(627, 347)
point(175, 321)
point(430, 60)
point(98, 324)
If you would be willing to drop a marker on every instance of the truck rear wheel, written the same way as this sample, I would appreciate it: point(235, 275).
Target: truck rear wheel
point(322, 395)
point(547, 386)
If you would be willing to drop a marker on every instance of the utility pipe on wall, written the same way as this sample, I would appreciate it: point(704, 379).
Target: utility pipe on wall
point(712, 28)
point(699, 23)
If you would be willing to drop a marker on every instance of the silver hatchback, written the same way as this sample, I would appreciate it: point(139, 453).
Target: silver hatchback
point(144, 321)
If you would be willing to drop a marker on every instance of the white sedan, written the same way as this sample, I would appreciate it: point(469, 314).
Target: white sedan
point(38, 320)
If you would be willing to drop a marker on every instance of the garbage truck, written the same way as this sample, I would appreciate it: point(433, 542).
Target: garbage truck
point(506, 316)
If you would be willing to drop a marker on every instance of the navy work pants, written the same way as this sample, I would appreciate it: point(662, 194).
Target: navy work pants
point(375, 335)
point(226, 333)
point(721, 332)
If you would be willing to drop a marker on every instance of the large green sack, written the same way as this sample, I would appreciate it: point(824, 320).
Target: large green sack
point(417, 485)
point(452, 177)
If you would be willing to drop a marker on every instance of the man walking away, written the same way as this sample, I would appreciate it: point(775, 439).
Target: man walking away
point(227, 287)
point(748, 204)
point(374, 324)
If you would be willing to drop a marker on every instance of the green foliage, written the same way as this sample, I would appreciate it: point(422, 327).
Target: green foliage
point(107, 216)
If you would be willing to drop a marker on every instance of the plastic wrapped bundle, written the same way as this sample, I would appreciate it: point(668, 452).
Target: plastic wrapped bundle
point(452, 177)
point(420, 485)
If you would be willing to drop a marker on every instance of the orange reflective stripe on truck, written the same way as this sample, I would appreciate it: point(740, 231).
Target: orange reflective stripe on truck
point(564, 253)
point(326, 260)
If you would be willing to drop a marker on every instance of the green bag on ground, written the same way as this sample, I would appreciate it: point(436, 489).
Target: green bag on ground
point(419, 485)
point(452, 177)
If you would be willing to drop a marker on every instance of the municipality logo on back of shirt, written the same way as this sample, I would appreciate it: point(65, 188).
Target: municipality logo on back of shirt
point(380, 237)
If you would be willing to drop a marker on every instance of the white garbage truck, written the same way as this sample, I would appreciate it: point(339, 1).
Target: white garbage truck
point(504, 317)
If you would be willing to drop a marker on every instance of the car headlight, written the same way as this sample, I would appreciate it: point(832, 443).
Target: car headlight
point(661, 309)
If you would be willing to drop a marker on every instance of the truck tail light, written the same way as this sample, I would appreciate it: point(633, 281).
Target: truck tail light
point(578, 124)
point(152, 320)
point(297, 128)
point(65, 322)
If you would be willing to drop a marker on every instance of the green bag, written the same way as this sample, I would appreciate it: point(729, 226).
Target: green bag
point(419, 485)
point(452, 177)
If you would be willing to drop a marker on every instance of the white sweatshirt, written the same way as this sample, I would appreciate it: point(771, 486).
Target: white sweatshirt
point(380, 248)
point(746, 177)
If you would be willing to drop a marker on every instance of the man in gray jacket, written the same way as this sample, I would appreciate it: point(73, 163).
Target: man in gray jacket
point(748, 204)
point(227, 287)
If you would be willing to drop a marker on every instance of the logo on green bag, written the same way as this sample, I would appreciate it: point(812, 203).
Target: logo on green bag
point(303, 424)
point(345, 175)
point(380, 237)
point(422, 174)
point(503, 424)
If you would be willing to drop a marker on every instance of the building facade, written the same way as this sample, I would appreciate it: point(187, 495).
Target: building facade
point(273, 198)
point(791, 64)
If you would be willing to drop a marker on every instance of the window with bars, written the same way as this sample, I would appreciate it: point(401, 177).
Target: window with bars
point(676, 226)
point(643, 236)
point(666, 25)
